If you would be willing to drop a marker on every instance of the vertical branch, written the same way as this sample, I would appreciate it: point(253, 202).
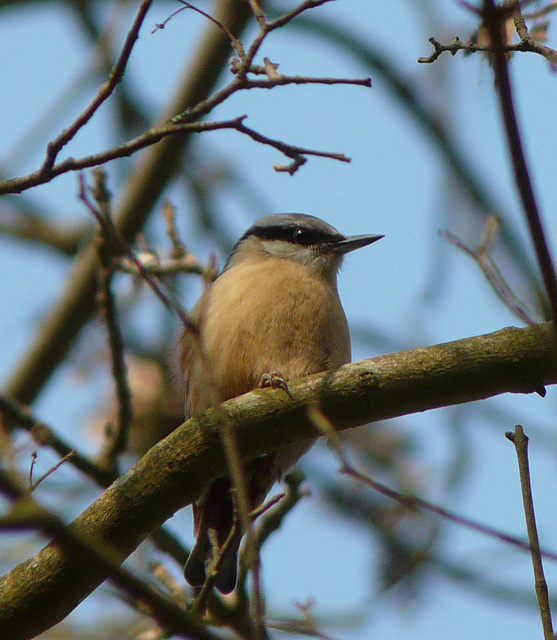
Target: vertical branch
point(493, 18)
point(520, 441)
point(242, 503)
point(178, 248)
point(117, 436)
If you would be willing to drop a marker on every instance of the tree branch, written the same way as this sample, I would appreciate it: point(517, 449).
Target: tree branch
point(527, 44)
point(493, 16)
point(142, 190)
point(27, 514)
point(41, 591)
point(55, 146)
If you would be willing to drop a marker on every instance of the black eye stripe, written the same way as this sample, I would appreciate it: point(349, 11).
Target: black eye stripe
point(297, 228)
point(299, 235)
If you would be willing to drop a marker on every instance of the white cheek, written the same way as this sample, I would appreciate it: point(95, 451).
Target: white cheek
point(320, 262)
point(283, 249)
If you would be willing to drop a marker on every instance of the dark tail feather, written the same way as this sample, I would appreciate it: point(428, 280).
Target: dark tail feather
point(228, 572)
point(200, 555)
point(194, 571)
point(215, 512)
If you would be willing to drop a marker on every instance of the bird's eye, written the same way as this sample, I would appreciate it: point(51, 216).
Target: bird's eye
point(298, 235)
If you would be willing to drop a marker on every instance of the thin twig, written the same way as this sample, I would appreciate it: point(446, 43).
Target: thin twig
point(34, 457)
point(116, 440)
point(296, 153)
point(150, 137)
point(526, 45)
point(55, 146)
point(243, 508)
point(520, 441)
point(275, 517)
point(45, 436)
point(327, 428)
point(288, 17)
point(178, 247)
point(187, 121)
point(28, 514)
point(483, 258)
point(264, 508)
point(153, 135)
point(492, 17)
point(281, 80)
point(200, 602)
point(527, 40)
point(34, 485)
point(160, 268)
point(540, 13)
point(166, 297)
point(236, 44)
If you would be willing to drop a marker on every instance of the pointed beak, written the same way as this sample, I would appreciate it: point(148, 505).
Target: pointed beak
point(351, 243)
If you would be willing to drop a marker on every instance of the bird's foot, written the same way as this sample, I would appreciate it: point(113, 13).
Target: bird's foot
point(274, 380)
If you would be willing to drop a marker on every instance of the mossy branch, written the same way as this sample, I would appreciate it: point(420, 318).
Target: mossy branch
point(43, 590)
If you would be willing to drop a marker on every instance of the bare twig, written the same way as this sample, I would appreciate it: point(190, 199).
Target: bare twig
point(177, 126)
point(147, 139)
point(520, 441)
point(161, 268)
point(188, 120)
point(242, 509)
point(288, 17)
point(178, 247)
point(44, 435)
point(34, 457)
point(279, 80)
point(164, 296)
point(235, 42)
point(28, 514)
point(268, 504)
point(326, 427)
point(483, 258)
point(526, 39)
point(116, 436)
point(34, 485)
point(492, 17)
point(540, 13)
point(219, 555)
point(274, 518)
point(276, 510)
point(296, 153)
point(527, 45)
point(116, 75)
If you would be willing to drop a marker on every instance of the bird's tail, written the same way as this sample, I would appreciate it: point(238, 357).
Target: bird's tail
point(200, 557)
point(213, 523)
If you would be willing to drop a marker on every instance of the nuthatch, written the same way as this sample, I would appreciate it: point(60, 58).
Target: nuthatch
point(274, 308)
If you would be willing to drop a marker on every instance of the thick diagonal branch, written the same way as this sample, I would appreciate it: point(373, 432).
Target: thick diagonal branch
point(41, 591)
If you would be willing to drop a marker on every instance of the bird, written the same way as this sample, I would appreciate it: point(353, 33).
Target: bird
point(271, 315)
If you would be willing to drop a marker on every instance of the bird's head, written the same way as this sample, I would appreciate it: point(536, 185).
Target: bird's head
point(299, 237)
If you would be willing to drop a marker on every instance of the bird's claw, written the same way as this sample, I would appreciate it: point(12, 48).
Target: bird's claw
point(274, 380)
